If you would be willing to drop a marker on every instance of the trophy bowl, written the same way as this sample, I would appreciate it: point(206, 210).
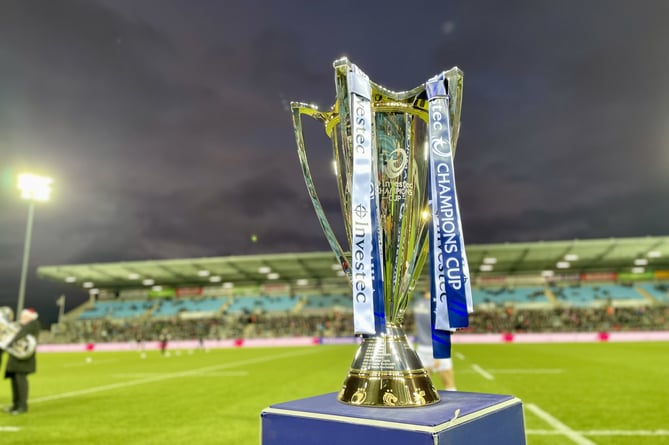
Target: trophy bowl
point(385, 372)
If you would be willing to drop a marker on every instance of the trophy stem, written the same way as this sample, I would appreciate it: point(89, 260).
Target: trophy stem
point(386, 372)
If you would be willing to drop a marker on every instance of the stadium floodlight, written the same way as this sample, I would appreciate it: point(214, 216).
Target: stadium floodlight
point(302, 282)
point(203, 273)
point(148, 282)
point(654, 254)
point(273, 276)
point(228, 285)
point(264, 270)
point(490, 260)
point(335, 266)
point(157, 288)
point(88, 285)
point(571, 257)
point(638, 270)
point(215, 279)
point(486, 267)
point(34, 188)
point(563, 265)
point(70, 279)
point(133, 276)
point(641, 262)
point(547, 273)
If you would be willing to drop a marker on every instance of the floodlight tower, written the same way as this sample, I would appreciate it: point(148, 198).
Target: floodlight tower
point(33, 189)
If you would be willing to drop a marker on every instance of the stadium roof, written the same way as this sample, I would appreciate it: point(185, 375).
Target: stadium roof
point(576, 256)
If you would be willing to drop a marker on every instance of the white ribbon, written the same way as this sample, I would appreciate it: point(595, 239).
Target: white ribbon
point(361, 206)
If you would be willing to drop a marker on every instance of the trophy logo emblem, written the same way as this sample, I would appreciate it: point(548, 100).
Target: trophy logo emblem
point(358, 397)
point(396, 163)
point(390, 399)
point(419, 397)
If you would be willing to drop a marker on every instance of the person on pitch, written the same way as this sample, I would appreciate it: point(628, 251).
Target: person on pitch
point(164, 339)
point(423, 328)
point(18, 368)
point(6, 317)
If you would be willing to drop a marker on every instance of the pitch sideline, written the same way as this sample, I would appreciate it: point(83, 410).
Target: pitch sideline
point(482, 372)
point(558, 426)
point(602, 432)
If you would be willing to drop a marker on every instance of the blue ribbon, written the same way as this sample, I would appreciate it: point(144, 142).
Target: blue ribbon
point(441, 340)
point(377, 268)
point(450, 271)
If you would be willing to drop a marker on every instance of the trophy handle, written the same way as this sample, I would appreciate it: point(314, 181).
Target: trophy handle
point(298, 109)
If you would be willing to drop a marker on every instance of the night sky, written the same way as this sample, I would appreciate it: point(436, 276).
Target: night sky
point(165, 123)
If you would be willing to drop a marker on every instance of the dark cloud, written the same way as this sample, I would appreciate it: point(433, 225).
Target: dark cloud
point(637, 213)
point(561, 117)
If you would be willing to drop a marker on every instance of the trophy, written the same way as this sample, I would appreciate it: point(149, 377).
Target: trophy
point(387, 175)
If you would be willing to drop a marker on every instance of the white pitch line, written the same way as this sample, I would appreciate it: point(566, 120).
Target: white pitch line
point(485, 374)
point(223, 374)
point(11, 429)
point(626, 432)
point(459, 355)
point(168, 376)
point(526, 371)
point(602, 432)
point(199, 374)
point(560, 427)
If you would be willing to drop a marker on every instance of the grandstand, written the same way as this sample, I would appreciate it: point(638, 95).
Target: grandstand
point(287, 294)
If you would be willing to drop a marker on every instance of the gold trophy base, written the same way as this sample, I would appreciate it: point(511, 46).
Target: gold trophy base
point(386, 372)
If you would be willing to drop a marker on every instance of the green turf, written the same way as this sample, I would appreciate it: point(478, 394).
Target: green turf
point(216, 397)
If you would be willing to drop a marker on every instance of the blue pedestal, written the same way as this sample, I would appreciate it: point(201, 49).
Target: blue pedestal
point(459, 418)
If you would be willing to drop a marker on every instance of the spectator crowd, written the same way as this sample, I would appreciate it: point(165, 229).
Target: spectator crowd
point(340, 324)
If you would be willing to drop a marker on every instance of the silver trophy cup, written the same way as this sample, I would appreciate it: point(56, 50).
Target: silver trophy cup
point(385, 371)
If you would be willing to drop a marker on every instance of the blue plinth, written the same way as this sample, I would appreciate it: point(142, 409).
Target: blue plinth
point(459, 418)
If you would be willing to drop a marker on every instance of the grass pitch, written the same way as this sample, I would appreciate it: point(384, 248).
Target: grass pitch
point(589, 393)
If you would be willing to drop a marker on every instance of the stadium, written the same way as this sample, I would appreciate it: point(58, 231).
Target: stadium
point(173, 281)
point(305, 295)
point(555, 323)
